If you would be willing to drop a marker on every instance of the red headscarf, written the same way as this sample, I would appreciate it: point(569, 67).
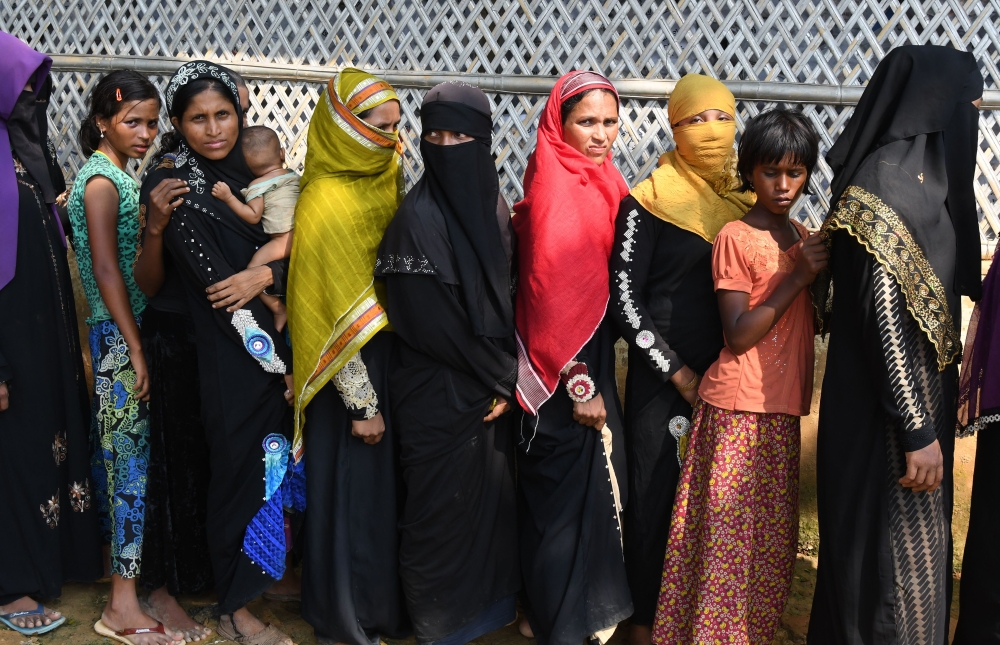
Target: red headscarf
point(565, 229)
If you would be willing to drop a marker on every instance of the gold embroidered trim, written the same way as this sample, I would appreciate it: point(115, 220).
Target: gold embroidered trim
point(877, 226)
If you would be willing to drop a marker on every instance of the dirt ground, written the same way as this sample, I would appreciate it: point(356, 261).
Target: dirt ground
point(83, 604)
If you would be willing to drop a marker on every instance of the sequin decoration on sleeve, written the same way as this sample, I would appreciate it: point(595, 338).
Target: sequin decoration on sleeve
point(257, 342)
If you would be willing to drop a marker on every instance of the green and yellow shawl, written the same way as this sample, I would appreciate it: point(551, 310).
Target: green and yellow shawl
point(351, 187)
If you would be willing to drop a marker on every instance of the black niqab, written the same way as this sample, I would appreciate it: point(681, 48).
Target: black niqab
point(27, 128)
point(921, 94)
point(460, 187)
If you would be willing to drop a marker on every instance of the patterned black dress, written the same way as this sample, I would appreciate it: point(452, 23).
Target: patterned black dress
point(48, 517)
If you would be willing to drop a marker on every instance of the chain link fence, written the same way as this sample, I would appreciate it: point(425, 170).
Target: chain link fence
point(286, 48)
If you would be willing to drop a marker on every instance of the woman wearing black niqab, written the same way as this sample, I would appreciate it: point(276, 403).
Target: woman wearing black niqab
point(904, 247)
point(48, 521)
point(445, 259)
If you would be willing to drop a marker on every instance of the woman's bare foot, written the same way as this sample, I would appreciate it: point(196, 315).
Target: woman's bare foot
point(29, 622)
point(165, 608)
point(123, 612)
point(640, 635)
point(249, 625)
point(525, 628)
point(288, 588)
point(122, 620)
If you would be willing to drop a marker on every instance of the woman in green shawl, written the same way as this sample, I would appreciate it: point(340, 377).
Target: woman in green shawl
point(351, 187)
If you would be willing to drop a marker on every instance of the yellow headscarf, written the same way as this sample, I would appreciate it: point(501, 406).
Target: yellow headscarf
point(351, 187)
point(693, 187)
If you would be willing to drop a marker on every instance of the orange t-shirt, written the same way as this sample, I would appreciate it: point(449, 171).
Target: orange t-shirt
point(776, 374)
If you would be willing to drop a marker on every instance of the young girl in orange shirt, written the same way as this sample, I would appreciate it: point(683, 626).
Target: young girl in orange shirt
point(734, 528)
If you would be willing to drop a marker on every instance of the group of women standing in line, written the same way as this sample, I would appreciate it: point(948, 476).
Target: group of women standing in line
point(454, 412)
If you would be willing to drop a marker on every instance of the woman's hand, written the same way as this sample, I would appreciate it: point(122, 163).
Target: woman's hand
point(4, 397)
point(289, 389)
point(237, 290)
point(138, 359)
point(500, 408)
point(684, 377)
point(813, 258)
point(590, 413)
point(924, 469)
point(168, 195)
point(369, 430)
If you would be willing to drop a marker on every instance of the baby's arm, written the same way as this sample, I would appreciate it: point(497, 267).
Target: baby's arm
point(278, 248)
point(249, 213)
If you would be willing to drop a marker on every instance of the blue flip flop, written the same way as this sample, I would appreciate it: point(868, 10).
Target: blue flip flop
point(7, 619)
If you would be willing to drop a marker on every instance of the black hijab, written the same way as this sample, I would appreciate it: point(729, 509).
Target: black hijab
point(916, 114)
point(448, 223)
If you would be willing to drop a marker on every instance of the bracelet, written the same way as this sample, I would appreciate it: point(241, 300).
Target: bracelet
point(693, 383)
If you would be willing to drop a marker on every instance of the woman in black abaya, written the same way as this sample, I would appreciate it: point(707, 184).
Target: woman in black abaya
point(48, 521)
point(445, 259)
point(904, 247)
point(244, 364)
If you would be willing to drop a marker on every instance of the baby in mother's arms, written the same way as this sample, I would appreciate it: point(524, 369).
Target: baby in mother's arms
point(270, 199)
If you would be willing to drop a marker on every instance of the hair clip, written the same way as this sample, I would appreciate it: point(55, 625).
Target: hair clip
point(118, 93)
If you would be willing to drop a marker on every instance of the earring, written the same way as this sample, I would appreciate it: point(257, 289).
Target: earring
point(102, 134)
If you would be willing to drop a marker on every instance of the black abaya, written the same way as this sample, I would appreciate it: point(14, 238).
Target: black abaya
point(458, 543)
point(351, 590)
point(175, 542)
point(903, 248)
point(241, 393)
point(48, 519)
point(878, 539)
point(570, 538)
point(979, 600)
point(663, 300)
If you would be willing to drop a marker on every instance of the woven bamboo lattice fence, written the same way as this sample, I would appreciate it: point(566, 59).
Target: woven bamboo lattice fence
point(287, 48)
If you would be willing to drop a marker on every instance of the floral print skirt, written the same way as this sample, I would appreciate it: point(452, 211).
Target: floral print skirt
point(734, 530)
point(121, 447)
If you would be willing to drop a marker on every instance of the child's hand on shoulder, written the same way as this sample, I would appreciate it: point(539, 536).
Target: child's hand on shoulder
point(813, 258)
point(222, 191)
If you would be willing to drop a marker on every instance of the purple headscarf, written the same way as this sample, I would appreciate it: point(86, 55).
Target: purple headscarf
point(979, 385)
point(20, 64)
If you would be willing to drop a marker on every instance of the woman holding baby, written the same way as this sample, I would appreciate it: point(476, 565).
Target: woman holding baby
point(244, 363)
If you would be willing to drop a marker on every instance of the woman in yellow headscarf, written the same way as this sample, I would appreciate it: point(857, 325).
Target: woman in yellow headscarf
point(663, 300)
point(351, 187)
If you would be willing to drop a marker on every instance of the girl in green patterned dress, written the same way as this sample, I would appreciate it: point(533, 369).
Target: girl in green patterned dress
point(106, 221)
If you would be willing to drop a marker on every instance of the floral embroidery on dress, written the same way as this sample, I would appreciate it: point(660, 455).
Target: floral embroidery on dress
point(356, 388)
point(19, 167)
point(404, 264)
point(79, 496)
point(50, 511)
point(59, 448)
point(122, 425)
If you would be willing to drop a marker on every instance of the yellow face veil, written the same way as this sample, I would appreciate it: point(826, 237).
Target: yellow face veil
point(693, 187)
point(351, 188)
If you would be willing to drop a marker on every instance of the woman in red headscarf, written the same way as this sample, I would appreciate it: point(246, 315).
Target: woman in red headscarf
point(570, 534)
